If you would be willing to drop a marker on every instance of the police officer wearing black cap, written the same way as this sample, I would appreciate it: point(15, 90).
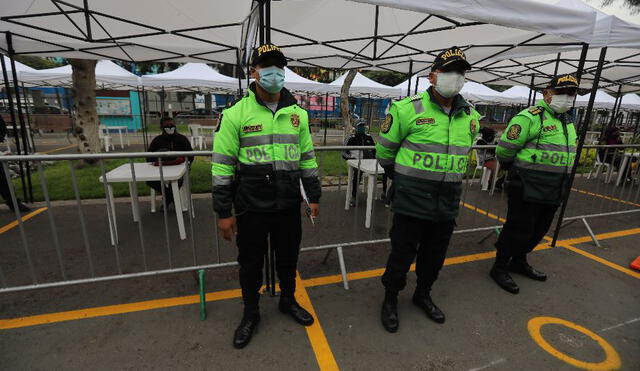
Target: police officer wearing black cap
point(538, 148)
point(262, 154)
point(424, 146)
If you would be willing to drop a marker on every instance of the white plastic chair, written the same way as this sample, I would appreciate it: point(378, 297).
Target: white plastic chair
point(597, 166)
point(486, 173)
point(105, 138)
point(196, 139)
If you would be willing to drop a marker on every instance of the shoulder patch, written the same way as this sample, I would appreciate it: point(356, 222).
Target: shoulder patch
point(386, 125)
point(514, 132)
point(535, 110)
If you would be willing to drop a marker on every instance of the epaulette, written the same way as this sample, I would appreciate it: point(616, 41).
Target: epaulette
point(536, 110)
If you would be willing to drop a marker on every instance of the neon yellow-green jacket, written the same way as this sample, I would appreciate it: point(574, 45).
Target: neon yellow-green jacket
point(426, 150)
point(259, 157)
point(539, 146)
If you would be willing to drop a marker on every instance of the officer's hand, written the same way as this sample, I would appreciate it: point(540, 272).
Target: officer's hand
point(227, 227)
point(315, 209)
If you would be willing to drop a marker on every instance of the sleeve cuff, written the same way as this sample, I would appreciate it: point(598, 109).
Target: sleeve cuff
point(223, 214)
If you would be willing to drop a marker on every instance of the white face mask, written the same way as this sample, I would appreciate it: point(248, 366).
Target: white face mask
point(448, 84)
point(561, 103)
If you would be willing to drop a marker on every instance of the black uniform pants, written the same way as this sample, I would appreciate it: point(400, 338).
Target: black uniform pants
point(4, 186)
point(412, 236)
point(526, 224)
point(283, 229)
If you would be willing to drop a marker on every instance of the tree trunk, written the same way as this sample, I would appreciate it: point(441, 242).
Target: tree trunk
point(344, 103)
point(84, 98)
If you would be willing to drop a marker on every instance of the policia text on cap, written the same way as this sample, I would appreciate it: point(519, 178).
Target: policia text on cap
point(424, 146)
point(262, 152)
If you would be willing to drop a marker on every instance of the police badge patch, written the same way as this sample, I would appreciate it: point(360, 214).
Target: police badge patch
point(514, 132)
point(386, 125)
point(295, 120)
point(473, 125)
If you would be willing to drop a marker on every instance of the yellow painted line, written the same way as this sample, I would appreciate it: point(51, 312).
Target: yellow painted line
point(612, 359)
point(483, 212)
point(109, 310)
point(605, 197)
point(609, 264)
point(236, 293)
point(61, 148)
point(26, 217)
point(319, 343)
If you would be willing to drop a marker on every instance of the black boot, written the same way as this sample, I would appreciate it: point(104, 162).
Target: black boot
point(245, 330)
point(521, 266)
point(389, 313)
point(288, 305)
point(500, 274)
point(22, 207)
point(422, 299)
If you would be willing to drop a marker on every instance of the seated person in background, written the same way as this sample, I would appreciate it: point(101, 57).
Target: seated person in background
point(361, 138)
point(169, 140)
point(614, 156)
point(487, 157)
point(4, 182)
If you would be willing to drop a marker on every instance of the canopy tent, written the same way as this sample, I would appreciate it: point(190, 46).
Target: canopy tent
point(19, 66)
point(631, 102)
point(603, 100)
point(192, 76)
point(363, 86)
point(199, 31)
point(298, 84)
point(471, 91)
point(518, 95)
point(108, 76)
point(409, 86)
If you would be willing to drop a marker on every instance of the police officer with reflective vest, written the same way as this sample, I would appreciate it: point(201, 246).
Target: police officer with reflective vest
point(538, 148)
point(424, 146)
point(262, 153)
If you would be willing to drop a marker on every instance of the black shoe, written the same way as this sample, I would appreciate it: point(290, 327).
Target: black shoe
point(352, 203)
point(523, 268)
point(245, 330)
point(291, 307)
point(504, 280)
point(22, 207)
point(389, 315)
point(423, 300)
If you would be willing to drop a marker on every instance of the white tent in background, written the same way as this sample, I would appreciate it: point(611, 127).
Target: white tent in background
point(191, 76)
point(603, 100)
point(298, 84)
point(363, 86)
point(478, 93)
point(108, 76)
point(19, 67)
point(423, 84)
point(630, 101)
point(517, 95)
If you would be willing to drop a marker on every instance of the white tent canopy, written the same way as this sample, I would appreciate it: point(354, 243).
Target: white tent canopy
point(19, 67)
point(603, 100)
point(191, 76)
point(518, 95)
point(478, 93)
point(108, 76)
point(363, 86)
point(298, 84)
point(423, 84)
point(630, 102)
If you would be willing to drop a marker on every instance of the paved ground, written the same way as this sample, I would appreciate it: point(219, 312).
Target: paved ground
point(153, 322)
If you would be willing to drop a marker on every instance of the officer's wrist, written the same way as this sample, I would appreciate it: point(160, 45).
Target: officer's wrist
point(223, 214)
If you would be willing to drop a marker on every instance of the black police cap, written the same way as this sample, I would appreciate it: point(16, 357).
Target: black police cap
point(449, 57)
point(567, 81)
point(268, 53)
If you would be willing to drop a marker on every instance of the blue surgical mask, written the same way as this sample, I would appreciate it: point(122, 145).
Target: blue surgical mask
point(271, 79)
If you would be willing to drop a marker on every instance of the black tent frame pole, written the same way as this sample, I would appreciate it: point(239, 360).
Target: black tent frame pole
point(142, 117)
point(583, 135)
point(555, 70)
point(410, 75)
point(23, 131)
point(326, 117)
point(25, 92)
point(415, 89)
point(616, 107)
point(12, 113)
point(162, 97)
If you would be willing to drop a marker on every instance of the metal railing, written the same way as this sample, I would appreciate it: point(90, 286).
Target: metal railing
point(76, 247)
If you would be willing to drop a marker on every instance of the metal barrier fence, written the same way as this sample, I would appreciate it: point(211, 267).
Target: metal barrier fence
point(82, 243)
